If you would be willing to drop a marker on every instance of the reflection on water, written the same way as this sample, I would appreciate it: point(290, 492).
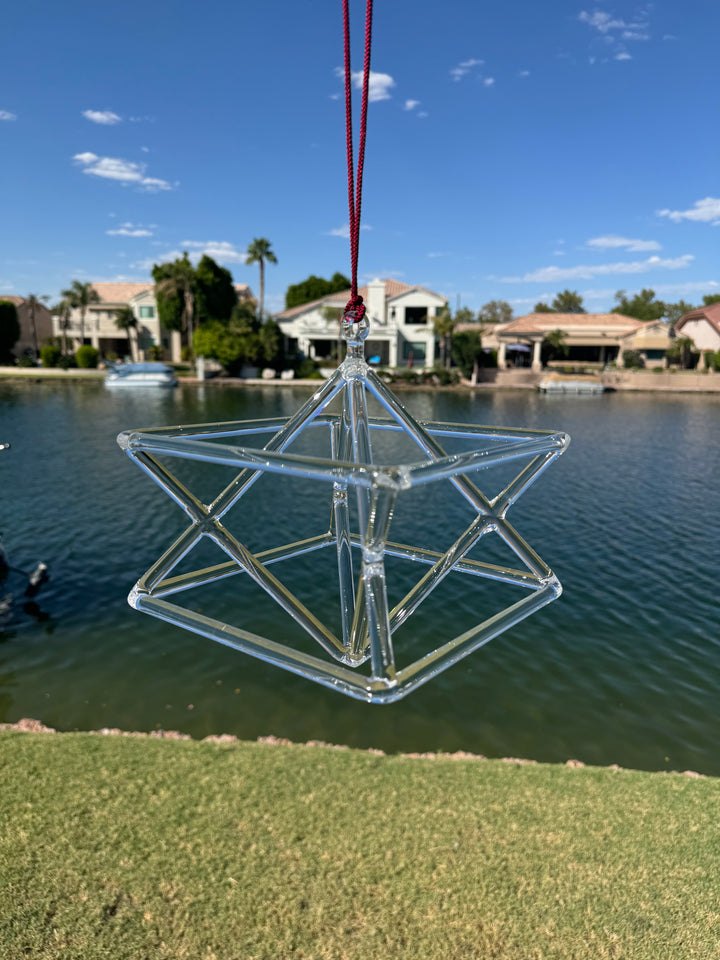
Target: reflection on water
point(624, 668)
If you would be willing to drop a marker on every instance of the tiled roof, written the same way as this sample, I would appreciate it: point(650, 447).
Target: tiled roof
point(542, 322)
point(120, 292)
point(393, 288)
point(711, 314)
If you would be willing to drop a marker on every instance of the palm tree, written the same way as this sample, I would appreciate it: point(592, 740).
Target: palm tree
point(554, 345)
point(258, 252)
point(80, 296)
point(62, 311)
point(126, 320)
point(444, 324)
point(34, 302)
point(180, 281)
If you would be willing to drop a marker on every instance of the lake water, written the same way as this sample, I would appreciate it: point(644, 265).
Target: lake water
point(624, 668)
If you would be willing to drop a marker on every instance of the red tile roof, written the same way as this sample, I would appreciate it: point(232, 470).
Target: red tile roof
point(711, 314)
point(542, 322)
point(120, 292)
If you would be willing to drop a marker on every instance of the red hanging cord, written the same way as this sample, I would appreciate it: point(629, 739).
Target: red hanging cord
point(355, 304)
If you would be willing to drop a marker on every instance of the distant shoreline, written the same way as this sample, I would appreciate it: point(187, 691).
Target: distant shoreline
point(620, 381)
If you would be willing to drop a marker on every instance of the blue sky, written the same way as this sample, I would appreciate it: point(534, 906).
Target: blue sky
point(514, 149)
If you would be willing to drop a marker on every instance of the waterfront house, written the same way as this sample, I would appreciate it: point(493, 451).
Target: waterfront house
point(101, 329)
point(591, 338)
point(651, 340)
point(43, 324)
point(401, 324)
point(702, 326)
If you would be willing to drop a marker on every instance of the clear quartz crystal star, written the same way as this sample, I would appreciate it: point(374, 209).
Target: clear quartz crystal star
point(360, 658)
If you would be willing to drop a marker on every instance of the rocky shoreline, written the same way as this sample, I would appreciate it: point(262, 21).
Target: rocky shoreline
point(29, 725)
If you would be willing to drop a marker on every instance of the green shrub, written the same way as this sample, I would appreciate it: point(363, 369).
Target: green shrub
point(26, 360)
point(67, 362)
point(633, 360)
point(305, 368)
point(9, 330)
point(658, 369)
point(50, 355)
point(87, 357)
point(155, 352)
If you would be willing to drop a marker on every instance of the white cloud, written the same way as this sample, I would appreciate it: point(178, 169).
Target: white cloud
point(439, 253)
point(6, 115)
point(411, 104)
point(113, 168)
point(379, 84)
point(422, 114)
point(587, 272)
point(489, 81)
point(601, 20)
point(523, 74)
point(623, 55)
point(704, 211)
point(344, 231)
point(462, 69)
point(130, 230)
point(612, 242)
point(145, 149)
point(106, 117)
point(219, 250)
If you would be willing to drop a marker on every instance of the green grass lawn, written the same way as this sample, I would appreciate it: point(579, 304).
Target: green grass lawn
point(117, 847)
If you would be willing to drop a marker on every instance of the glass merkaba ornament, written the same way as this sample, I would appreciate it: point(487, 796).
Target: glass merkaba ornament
point(358, 659)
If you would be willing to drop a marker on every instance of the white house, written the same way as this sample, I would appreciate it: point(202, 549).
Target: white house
point(401, 324)
point(702, 326)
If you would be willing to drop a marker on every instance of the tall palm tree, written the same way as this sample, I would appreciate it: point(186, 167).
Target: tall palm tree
point(62, 311)
point(258, 252)
point(80, 296)
point(34, 302)
point(126, 320)
point(180, 281)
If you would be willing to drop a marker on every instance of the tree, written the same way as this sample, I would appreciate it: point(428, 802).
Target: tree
point(464, 315)
point(673, 311)
point(711, 298)
point(554, 346)
point(216, 295)
point(34, 302)
point(444, 324)
point(682, 352)
point(496, 311)
point(334, 315)
point(126, 320)
point(466, 351)
point(258, 252)
point(567, 301)
point(176, 286)
point(313, 288)
point(80, 296)
point(643, 305)
point(9, 330)
point(62, 311)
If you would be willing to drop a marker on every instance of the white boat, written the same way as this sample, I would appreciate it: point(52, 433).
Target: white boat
point(141, 375)
point(556, 383)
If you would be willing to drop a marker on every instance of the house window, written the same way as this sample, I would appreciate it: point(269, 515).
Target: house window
point(416, 315)
point(147, 313)
point(415, 349)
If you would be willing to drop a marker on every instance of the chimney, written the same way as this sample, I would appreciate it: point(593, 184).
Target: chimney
point(375, 302)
